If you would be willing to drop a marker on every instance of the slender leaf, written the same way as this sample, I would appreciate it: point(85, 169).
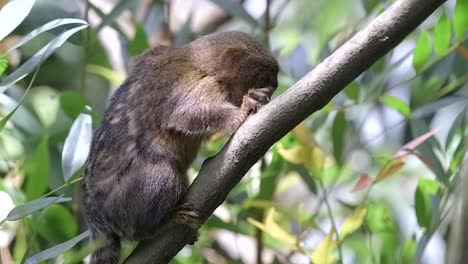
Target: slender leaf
point(272, 228)
point(12, 14)
point(413, 144)
point(353, 222)
point(426, 188)
point(389, 169)
point(3, 65)
point(397, 104)
point(38, 58)
point(235, 9)
point(37, 171)
point(106, 73)
point(46, 27)
point(363, 182)
point(34, 206)
point(57, 249)
point(408, 251)
point(422, 51)
point(323, 252)
point(460, 18)
point(418, 128)
point(442, 35)
point(77, 145)
point(338, 134)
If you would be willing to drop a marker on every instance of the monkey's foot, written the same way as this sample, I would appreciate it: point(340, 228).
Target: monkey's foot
point(185, 214)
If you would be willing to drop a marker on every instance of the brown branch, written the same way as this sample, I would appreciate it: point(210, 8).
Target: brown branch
point(221, 173)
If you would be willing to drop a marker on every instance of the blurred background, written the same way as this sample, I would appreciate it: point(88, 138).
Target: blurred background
point(373, 177)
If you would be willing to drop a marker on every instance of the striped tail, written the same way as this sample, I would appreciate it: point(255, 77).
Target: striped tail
point(108, 253)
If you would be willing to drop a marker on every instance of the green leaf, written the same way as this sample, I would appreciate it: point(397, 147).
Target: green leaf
point(397, 104)
point(45, 102)
point(426, 188)
point(235, 9)
point(269, 178)
point(34, 206)
point(139, 42)
point(352, 91)
point(36, 168)
point(460, 18)
point(3, 65)
point(408, 251)
point(56, 224)
point(77, 145)
point(338, 134)
point(46, 27)
point(12, 14)
point(72, 103)
point(57, 249)
point(37, 59)
point(380, 219)
point(422, 51)
point(442, 35)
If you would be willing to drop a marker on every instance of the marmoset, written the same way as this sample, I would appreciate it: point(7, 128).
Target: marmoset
point(172, 100)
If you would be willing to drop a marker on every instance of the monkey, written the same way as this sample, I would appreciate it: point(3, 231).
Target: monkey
point(173, 99)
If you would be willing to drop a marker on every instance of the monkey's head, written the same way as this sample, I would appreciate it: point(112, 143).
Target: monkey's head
point(237, 62)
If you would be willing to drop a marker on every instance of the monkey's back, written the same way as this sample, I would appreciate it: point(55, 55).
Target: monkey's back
point(135, 173)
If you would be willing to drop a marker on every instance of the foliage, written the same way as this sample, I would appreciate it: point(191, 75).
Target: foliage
point(341, 187)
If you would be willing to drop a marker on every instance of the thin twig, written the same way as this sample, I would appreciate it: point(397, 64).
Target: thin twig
point(332, 219)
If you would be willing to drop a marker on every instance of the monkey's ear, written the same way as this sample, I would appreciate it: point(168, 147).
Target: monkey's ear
point(231, 57)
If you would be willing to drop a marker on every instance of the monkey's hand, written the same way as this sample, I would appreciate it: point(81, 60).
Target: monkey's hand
point(255, 99)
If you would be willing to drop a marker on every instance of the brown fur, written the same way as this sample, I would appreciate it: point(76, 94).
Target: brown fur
point(173, 99)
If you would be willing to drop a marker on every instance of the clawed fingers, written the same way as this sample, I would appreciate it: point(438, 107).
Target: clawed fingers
point(259, 96)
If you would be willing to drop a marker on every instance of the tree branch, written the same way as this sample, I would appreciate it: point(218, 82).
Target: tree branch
point(221, 173)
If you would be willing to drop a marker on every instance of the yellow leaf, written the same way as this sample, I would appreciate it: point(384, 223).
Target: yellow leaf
point(316, 161)
point(302, 133)
point(323, 252)
point(296, 155)
point(353, 222)
point(389, 169)
point(274, 230)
